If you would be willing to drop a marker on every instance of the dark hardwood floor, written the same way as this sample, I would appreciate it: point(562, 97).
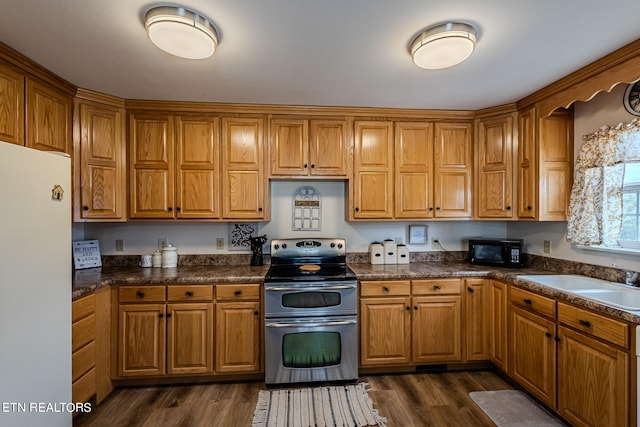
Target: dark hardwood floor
point(406, 400)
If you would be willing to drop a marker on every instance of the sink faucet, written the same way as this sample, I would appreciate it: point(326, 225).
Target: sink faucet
point(631, 277)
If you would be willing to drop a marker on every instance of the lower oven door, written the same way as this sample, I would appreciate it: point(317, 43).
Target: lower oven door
point(311, 349)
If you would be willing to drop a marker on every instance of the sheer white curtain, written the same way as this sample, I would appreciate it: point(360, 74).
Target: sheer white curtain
point(595, 208)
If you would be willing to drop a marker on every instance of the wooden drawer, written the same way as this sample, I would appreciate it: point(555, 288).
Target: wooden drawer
point(84, 387)
point(534, 302)
point(436, 286)
point(141, 293)
point(383, 288)
point(83, 360)
point(185, 293)
point(605, 328)
point(83, 307)
point(82, 332)
point(237, 292)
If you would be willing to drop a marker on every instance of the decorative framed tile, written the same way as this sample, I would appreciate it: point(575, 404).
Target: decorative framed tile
point(239, 233)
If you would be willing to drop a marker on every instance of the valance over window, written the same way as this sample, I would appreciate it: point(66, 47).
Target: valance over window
point(595, 207)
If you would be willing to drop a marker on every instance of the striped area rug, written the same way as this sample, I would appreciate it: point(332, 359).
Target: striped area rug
point(330, 406)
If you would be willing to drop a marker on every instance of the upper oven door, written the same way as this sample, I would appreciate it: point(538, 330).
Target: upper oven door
point(296, 299)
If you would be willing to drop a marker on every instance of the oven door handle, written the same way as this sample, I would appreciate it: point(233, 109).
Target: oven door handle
point(310, 288)
point(310, 324)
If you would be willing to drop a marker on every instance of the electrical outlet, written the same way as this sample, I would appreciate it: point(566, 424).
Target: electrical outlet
point(435, 243)
point(119, 245)
point(398, 240)
point(219, 242)
point(162, 242)
point(547, 246)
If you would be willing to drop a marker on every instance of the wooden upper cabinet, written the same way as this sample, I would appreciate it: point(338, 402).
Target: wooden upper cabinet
point(11, 105)
point(527, 169)
point(243, 179)
point(452, 169)
point(48, 120)
point(100, 161)
point(414, 170)
point(373, 171)
point(301, 147)
point(545, 165)
point(494, 167)
point(151, 165)
point(197, 167)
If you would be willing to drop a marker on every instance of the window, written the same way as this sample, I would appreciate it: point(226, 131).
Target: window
point(630, 235)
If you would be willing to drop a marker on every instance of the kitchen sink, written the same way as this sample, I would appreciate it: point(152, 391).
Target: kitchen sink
point(614, 294)
point(568, 282)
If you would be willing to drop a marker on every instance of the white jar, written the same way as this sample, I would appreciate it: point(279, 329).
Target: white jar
point(169, 256)
point(156, 259)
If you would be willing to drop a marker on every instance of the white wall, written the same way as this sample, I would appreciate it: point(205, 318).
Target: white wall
point(604, 109)
point(200, 238)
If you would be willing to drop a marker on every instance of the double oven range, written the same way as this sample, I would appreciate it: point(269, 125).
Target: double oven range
point(311, 313)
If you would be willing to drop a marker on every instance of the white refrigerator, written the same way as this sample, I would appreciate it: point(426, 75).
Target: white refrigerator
point(35, 287)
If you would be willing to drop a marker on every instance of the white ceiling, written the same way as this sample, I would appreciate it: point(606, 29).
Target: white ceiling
point(321, 52)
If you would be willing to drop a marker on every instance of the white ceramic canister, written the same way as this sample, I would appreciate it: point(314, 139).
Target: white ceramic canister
point(403, 254)
point(389, 252)
point(169, 256)
point(376, 253)
point(156, 259)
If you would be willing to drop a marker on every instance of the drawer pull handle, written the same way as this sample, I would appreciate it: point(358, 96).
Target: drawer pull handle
point(585, 323)
point(189, 293)
point(140, 294)
point(470, 289)
point(527, 301)
point(548, 334)
point(385, 289)
point(437, 287)
point(237, 293)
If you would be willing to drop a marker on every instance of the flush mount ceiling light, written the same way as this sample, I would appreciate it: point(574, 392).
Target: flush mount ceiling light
point(181, 32)
point(443, 45)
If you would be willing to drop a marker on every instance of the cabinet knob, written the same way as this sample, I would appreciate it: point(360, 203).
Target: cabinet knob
point(385, 289)
point(436, 287)
point(168, 315)
point(529, 208)
point(237, 293)
point(305, 165)
point(527, 301)
point(255, 313)
point(178, 209)
point(557, 339)
point(85, 208)
point(408, 308)
point(313, 166)
point(470, 289)
point(508, 208)
point(585, 323)
point(430, 209)
point(415, 307)
point(170, 209)
point(437, 208)
point(548, 334)
point(160, 316)
point(189, 293)
point(140, 294)
point(357, 209)
point(259, 209)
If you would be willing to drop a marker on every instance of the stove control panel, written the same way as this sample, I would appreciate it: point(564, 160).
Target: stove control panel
point(299, 248)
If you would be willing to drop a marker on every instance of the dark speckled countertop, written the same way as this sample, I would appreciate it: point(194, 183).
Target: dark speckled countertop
point(87, 281)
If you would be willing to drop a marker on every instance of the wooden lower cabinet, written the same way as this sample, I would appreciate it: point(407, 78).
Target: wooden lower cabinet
point(436, 330)
point(182, 330)
point(498, 324)
point(238, 336)
point(190, 338)
point(532, 355)
point(476, 319)
point(385, 325)
point(592, 381)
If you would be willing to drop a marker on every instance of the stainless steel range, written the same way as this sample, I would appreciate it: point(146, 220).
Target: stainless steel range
point(311, 313)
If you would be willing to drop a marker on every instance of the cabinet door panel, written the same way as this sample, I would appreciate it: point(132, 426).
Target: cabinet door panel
point(532, 355)
point(374, 199)
point(190, 338)
point(527, 165)
point(498, 324)
point(48, 124)
point(142, 332)
point(436, 335)
point(152, 197)
point(476, 319)
point(385, 331)
point(414, 170)
point(102, 163)
point(11, 105)
point(197, 163)
point(238, 337)
point(452, 169)
point(592, 381)
point(289, 147)
point(329, 148)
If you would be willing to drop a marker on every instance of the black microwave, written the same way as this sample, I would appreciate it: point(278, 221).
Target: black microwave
point(496, 252)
